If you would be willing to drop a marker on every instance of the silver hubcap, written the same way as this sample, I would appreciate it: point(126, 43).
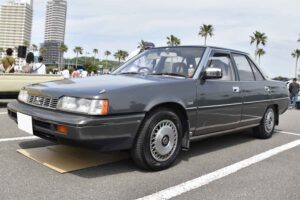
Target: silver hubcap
point(163, 140)
point(269, 121)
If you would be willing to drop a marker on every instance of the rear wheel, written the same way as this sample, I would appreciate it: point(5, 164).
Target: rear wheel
point(159, 141)
point(266, 129)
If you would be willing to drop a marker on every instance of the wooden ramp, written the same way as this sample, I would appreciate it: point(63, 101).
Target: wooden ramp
point(65, 159)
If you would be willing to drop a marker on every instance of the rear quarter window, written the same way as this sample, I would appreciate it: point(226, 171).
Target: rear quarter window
point(257, 73)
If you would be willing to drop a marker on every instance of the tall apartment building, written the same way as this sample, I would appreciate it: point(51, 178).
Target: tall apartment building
point(55, 30)
point(15, 23)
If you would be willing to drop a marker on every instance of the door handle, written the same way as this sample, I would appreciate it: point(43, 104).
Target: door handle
point(236, 89)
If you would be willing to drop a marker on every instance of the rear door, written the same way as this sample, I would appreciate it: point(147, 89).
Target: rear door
point(219, 100)
point(254, 90)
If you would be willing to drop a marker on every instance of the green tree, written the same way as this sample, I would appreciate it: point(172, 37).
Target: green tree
point(43, 51)
point(125, 54)
point(296, 54)
point(258, 38)
point(260, 52)
point(142, 45)
point(95, 51)
point(107, 53)
point(26, 43)
point(34, 48)
point(78, 50)
point(205, 31)
point(62, 49)
point(173, 41)
point(121, 55)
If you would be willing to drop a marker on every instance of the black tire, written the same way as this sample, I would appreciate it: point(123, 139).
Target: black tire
point(266, 129)
point(159, 122)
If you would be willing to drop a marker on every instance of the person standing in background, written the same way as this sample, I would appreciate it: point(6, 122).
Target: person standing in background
point(8, 62)
point(66, 72)
point(294, 90)
point(39, 68)
point(27, 68)
point(75, 73)
point(84, 74)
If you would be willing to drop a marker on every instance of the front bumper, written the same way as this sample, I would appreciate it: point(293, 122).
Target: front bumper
point(105, 133)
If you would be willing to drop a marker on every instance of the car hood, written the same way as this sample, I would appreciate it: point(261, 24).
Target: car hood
point(92, 87)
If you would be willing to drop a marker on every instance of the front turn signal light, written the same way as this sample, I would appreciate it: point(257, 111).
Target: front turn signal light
point(62, 129)
point(105, 106)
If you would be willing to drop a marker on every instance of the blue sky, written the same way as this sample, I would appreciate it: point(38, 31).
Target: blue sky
point(119, 24)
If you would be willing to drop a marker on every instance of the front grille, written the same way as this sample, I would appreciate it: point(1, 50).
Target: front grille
point(44, 102)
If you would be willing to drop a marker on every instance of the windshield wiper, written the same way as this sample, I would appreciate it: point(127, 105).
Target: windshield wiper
point(169, 74)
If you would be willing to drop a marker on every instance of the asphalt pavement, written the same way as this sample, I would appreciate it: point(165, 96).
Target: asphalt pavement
point(274, 177)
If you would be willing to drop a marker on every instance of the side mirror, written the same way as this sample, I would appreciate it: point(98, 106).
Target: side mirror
point(212, 73)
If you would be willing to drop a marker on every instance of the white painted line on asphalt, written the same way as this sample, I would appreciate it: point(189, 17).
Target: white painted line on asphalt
point(208, 178)
point(3, 113)
point(18, 138)
point(297, 134)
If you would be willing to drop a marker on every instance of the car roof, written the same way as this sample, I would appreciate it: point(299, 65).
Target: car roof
point(211, 47)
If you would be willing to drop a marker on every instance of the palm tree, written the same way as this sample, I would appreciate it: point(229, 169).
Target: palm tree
point(260, 52)
point(62, 49)
point(43, 50)
point(95, 51)
point(125, 54)
point(142, 45)
point(296, 54)
point(173, 41)
point(107, 53)
point(26, 43)
point(121, 55)
point(258, 38)
point(78, 50)
point(205, 31)
point(34, 48)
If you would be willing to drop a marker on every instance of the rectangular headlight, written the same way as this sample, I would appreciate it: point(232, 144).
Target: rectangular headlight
point(23, 96)
point(81, 105)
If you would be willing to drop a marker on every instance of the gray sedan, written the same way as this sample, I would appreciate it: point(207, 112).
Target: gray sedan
point(155, 104)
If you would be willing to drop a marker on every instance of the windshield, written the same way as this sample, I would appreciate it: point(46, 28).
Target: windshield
point(173, 61)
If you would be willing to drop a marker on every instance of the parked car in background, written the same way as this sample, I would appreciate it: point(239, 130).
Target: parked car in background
point(11, 84)
point(155, 104)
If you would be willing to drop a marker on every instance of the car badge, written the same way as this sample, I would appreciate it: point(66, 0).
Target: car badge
point(39, 100)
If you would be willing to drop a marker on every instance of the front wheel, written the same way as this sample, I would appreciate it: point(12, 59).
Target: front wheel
point(266, 129)
point(159, 140)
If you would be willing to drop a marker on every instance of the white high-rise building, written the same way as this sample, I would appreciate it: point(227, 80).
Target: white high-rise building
point(15, 23)
point(55, 30)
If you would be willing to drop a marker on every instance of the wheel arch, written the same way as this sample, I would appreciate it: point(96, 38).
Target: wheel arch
point(180, 110)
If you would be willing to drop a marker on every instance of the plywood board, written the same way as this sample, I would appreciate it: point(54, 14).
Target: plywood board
point(66, 159)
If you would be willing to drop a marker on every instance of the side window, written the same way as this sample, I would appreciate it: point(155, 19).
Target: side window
point(244, 68)
point(256, 72)
point(222, 61)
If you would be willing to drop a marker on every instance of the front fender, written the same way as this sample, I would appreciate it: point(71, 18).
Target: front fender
point(163, 100)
